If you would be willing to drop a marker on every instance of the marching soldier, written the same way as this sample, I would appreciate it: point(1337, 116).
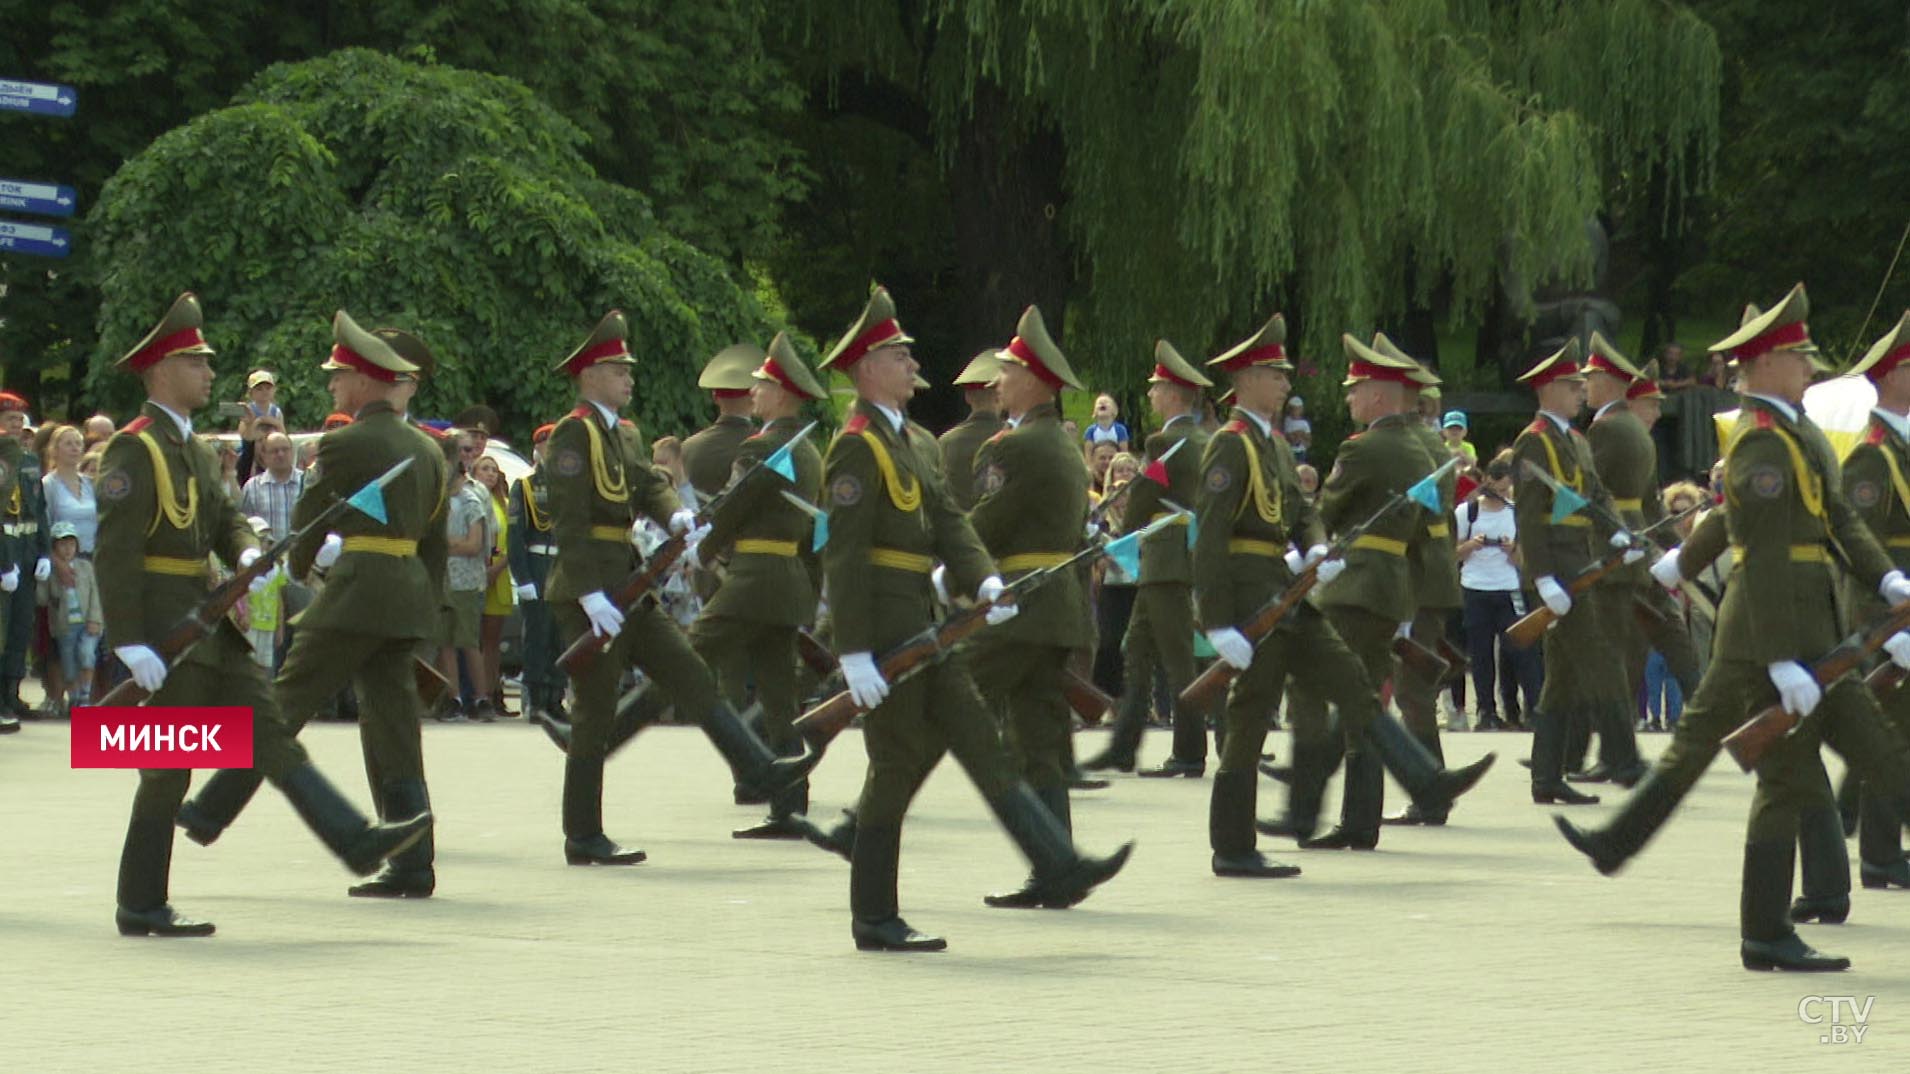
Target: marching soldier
point(709, 454)
point(890, 520)
point(1249, 509)
point(531, 550)
point(1581, 662)
point(1434, 557)
point(1375, 599)
point(601, 485)
point(1786, 511)
point(10, 577)
point(749, 628)
point(1030, 513)
point(977, 382)
point(162, 512)
point(24, 549)
point(1161, 632)
point(378, 601)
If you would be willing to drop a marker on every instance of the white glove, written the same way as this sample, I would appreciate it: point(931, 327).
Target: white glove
point(526, 591)
point(692, 545)
point(682, 520)
point(1796, 688)
point(605, 620)
point(1328, 570)
point(866, 684)
point(1666, 570)
point(990, 589)
point(1232, 646)
point(1895, 588)
point(1314, 555)
point(149, 672)
point(1898, 646)
point(329, 552)
point(1405, 630)
point(44, 569)
point(1294, 560)
point(939, 579)
point(248, 557)
point(1554, 596)
point(1622, 539)
point(10, 581)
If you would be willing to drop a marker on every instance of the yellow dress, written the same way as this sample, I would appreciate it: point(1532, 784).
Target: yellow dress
point(502, 596)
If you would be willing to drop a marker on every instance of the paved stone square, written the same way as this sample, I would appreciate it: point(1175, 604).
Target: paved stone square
point(1487, 945)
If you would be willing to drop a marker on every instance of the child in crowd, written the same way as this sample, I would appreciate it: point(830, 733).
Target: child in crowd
point(1107, 427)
point(71, 597)
point(1454, 429)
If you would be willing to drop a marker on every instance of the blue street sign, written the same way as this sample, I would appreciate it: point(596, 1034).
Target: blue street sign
point(36, 239)
point(43, 199)
point(40, 98)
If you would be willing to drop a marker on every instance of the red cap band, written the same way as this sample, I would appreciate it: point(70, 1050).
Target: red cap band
point(1598, 363)
point(879, 333)
point(1362, 370)
point(1161, 372)
point(162, 348)
point(1643, 388)
point(1557, 372)
point(345, 356)
point(589, 356)
point(1888, 363)
point(729, 393)
point(1023, 354)
point(1784, 335)
point(775, 373)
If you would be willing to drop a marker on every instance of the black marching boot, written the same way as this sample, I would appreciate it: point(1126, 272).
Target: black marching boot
point(205, 816)
point(1769, 942)
point(408, 874)
point(839, 840)
point(360, 844)
point(875, 916)
point(1124, 738)
point(1063, 876)
point(1230, 823)
point(1825, 867)
point(1361, 802)
point(1434, 788)
point(1313, 763)
point(584, 840)
point(1031, 896)
point(1548, 765)
point(145, 867)
point(1643, 812)
point(757, 768)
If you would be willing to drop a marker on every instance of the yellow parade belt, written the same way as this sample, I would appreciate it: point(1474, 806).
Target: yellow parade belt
point(1033, 561)
point(896, 559)
point(1800, 553)
point(1180, 518)
point(1438, 529)
point(609, 533)
point(1574, 520)
point(1380, 544)
point(1633, 504)
point(1899, 542)
point(174, 565)
point(754, 546)
point(1246, 546)
point(382, 546)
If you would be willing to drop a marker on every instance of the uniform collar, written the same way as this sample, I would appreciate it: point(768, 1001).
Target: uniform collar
point(376, 406)
point(1263, 424)
point(1606, 409)
point(1898, 423)
point(609, 415)
point(1564, 424)
point(1777, 404)
point(1185, 416)
point(894, 416)
point(183, 423)
point(735, 419)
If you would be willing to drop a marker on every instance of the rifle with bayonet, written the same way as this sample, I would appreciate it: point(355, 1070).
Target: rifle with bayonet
point(218, 603)
point(652, 571)
point(1749, 743)
point(1533, 626)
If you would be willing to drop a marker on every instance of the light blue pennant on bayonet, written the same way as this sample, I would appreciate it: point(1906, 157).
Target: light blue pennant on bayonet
point(371, 498)
point(817, 514)
point(781, 461)
point(1425, 492)
point(1125, 551)
point(1565, 503)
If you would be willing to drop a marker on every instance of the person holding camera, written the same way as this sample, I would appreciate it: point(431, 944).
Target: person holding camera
point(1489, 579)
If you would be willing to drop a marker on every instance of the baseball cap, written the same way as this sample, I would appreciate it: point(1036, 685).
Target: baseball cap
point(1455, 417)
point(64, 529)
point(258, 377)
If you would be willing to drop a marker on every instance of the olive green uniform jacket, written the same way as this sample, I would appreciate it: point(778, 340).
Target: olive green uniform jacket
point(958, 454)
point(766, 537)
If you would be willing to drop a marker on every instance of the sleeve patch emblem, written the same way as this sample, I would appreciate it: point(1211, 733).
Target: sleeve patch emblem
point(569, 463)
point(845, 491)
point(115, 486)
point(4, 473)
point(1866, 494)
point(1767, 482)
point(992, 479)
point(1219, 480)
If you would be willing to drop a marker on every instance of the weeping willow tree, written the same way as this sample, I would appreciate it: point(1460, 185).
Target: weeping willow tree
point(1161, 168)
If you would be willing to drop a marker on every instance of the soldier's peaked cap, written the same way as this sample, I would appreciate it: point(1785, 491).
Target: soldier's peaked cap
point(176, 333)
point(782, 365)
point(1782, 327)
point(356, 349)
point(732, 370)
point(1171, 368)
point(876, 327)
point(1561, 364)
point(1267, 347)
point(1033, 349)
point(606, 343)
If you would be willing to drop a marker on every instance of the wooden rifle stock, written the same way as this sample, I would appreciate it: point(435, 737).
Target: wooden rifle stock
point(583, 652)
point(1424, 662)
point(1748, 744)
point(1527, 631)
point(430, 681)
point(820, 725)
point(1086, 699)
point(815, 654)
point(1210, 686)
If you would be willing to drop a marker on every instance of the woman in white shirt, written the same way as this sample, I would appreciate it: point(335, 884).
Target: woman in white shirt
point(1489, 576)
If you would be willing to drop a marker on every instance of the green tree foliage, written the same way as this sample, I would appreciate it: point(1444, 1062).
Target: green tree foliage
point(451, 203)
point(1215, 161)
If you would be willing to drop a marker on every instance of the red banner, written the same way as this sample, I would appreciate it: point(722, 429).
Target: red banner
point(170, 737)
